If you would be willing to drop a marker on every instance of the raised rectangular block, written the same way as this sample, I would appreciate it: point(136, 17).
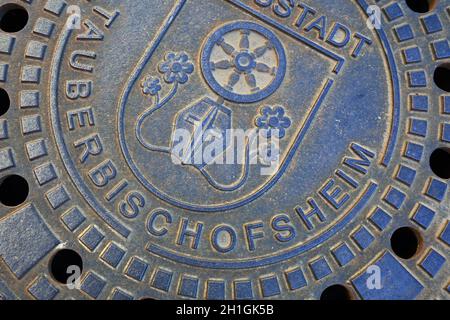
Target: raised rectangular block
point(25, 240)
point(397, 283)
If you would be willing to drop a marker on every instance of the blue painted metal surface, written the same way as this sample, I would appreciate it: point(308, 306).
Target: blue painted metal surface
point(345, 89)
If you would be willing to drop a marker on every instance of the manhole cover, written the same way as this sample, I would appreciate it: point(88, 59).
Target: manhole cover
point(229, 149)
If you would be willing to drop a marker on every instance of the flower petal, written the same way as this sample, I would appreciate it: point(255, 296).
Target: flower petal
point(188, 68)
point(279, 111)
point(164, 67)
point(183, 57)
point(169, 77)
point(266, 111)
point(182, 77)
point(261, 121)
point(285, 122)
point(170, 56)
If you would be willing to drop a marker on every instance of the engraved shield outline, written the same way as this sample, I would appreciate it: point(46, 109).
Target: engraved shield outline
point(304, 128)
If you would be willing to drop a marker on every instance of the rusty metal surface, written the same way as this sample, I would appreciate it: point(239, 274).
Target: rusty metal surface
point(93, 94)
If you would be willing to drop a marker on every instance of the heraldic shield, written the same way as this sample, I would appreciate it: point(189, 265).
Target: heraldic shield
point(237, 76)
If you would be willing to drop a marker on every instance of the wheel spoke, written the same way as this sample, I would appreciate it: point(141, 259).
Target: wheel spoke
point(223, 65)
point(245, 42)
point(234, 79)
point(259, 52)
point(264, 68)
point(226, 47)
point(251, 80)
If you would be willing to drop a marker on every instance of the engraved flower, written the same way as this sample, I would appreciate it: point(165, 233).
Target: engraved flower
point(273, 118)
point(176, 67)
point(151, 85)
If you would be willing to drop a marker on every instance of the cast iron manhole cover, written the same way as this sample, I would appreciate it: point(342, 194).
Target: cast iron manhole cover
point(346, 198)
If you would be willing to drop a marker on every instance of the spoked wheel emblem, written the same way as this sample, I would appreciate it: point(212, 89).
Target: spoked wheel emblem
point(238, 67)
